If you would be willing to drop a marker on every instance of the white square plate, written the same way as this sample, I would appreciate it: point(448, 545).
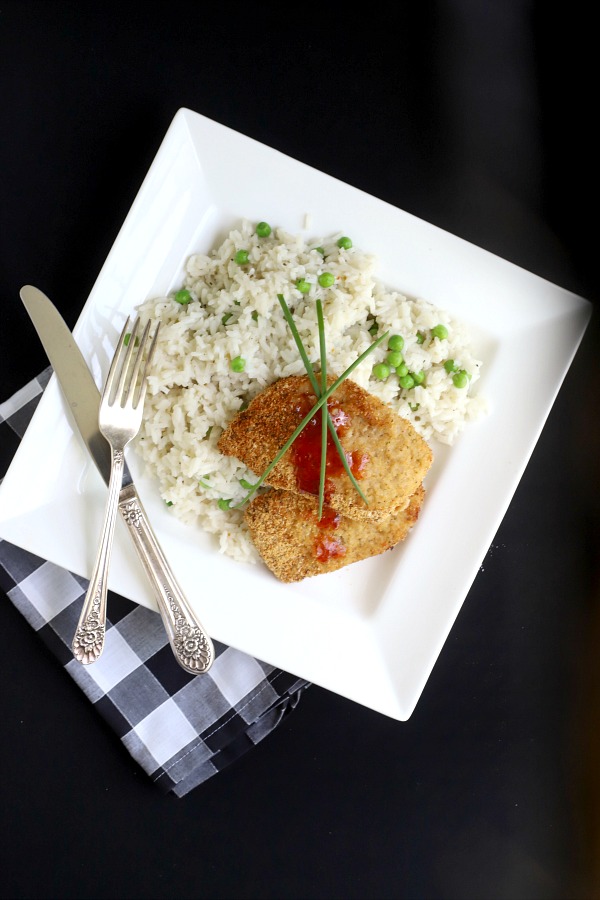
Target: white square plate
point(372, 631)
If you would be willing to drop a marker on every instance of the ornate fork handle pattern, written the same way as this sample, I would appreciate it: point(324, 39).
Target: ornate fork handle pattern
point(88, 641)
point(191, 645)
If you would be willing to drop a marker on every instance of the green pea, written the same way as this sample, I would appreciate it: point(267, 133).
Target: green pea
point(440, 331)
point(127, 338)
point(263, 229)
point(255, 316)
point(402, 370)
point(418, 377)
point(394, 359)
point(344, 243)
point(223, 504)
point(396, 342)
point(183, 296)
point(303, 285)
point(420, 337)
point(326, 279)
point(238, 364)
point(320, 250)
point(406, 382)
point(461, 379)
point(241, 257)
point(374, 328)
point(381, 371)
point(226, 318)
point(450, 366)
point(169, 502)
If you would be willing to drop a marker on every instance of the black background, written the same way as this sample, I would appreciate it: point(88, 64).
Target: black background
point(478, 117)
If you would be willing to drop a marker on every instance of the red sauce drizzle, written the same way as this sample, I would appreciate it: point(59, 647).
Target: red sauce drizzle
point(329, 546)
point(330, 519)
point(306, 456)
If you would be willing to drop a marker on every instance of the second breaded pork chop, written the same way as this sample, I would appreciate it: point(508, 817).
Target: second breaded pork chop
point(294, 545)
point(394, 457)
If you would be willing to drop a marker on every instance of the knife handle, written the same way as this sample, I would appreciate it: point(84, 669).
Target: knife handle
point(191, 645)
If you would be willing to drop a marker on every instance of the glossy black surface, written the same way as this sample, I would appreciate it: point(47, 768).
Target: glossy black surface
point(479, 118)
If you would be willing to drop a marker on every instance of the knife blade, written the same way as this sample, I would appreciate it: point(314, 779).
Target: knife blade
point(191, 645)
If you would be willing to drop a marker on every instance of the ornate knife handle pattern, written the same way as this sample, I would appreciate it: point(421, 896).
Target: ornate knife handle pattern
point(191, 644)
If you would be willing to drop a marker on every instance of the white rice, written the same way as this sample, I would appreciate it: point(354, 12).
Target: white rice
point(193, 392)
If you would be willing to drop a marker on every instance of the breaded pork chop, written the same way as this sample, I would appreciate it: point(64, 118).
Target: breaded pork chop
point(396, 458)
point(285, 529)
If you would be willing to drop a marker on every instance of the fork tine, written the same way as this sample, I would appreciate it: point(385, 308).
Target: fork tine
point(113, 377)
point(123, 383)
point(126, 363)
point(132, 396)
point(147, 364)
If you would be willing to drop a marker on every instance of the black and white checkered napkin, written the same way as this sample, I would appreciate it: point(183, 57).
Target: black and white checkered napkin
point(180, 728)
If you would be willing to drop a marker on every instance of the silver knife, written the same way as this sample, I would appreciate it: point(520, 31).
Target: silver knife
point(192, 647)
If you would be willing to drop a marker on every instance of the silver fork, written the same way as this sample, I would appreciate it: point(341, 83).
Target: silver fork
point(119, 419)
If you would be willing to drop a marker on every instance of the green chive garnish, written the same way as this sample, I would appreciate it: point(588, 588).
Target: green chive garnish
point(325, 412)
point(322, 400)
point(316, 389)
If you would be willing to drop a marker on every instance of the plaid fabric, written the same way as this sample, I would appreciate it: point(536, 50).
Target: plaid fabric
point(180, 728)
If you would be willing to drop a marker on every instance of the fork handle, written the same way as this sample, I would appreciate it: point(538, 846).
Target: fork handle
point(191, 645)
point(88, 642)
